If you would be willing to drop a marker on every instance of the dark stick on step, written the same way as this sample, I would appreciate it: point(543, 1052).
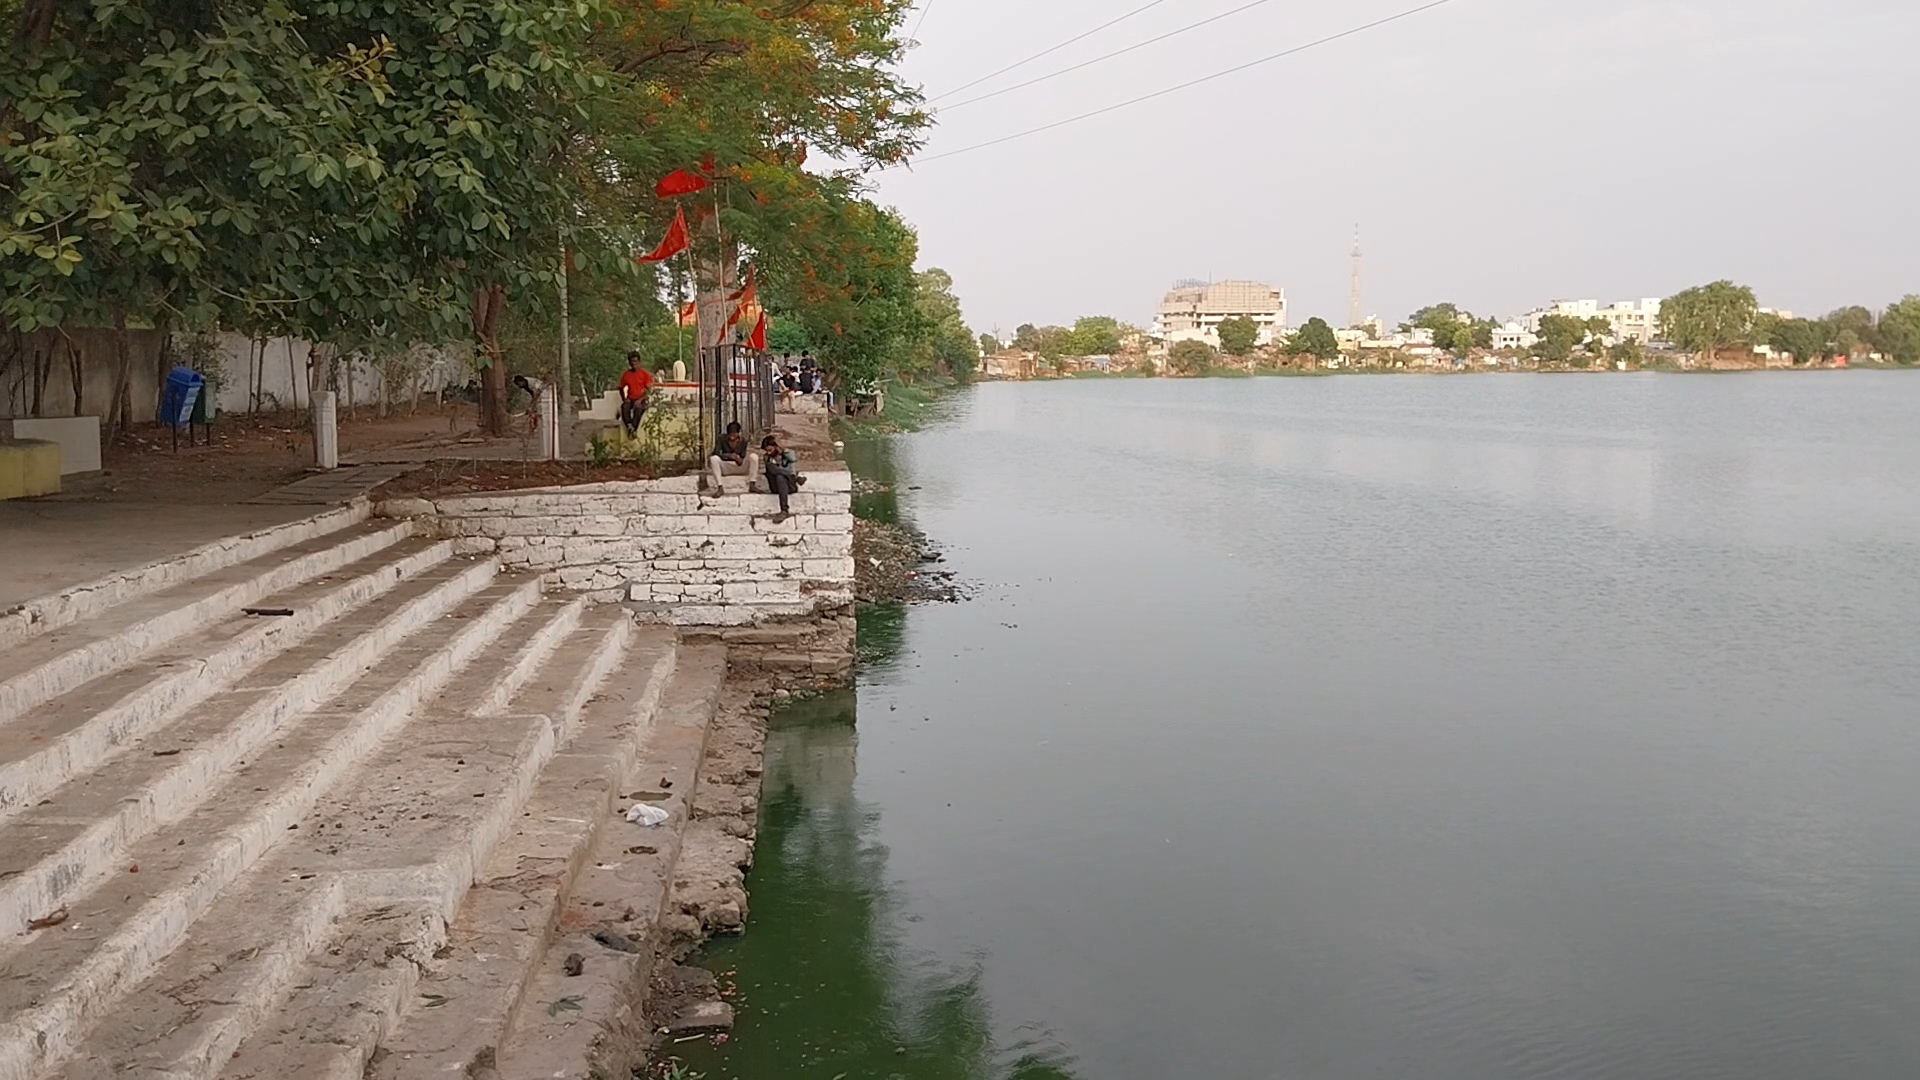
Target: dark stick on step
point(280, 612)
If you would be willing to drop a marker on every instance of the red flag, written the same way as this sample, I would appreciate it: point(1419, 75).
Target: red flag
point(749, 299)
point(673, 244)
point(747, 288)
point(690, 314)
point(758, 339)
point(681, 182)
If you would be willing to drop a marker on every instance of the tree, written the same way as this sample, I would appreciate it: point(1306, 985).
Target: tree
point(1315, 338)
point(989, 345)
point(1027, 338)
point(1709, 318)
point(1628, 351)
point(1805, 340)
point(948, 342)
point(1191, 357)
point(1434, 317)
point(1853, 329)
point(1237, 336)
point(1094, 335)
point(1899, 330)
point(1559, 336)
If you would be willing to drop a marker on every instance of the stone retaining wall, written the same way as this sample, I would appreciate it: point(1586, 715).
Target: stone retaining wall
point(677, 555)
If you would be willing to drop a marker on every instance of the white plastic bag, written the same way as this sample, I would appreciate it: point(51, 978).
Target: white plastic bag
point(647, 815)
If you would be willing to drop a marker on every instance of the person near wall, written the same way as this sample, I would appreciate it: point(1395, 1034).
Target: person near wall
point(634, 386)
point(733, 456)
point(783, 471)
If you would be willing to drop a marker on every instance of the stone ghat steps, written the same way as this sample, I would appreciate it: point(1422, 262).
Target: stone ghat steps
point(84, 601)
point(304, 965)
point(142, 775)
point(41, 668)
point(137, 853)
point(51, 744)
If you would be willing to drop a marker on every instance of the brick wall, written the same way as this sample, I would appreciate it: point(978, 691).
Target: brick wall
point(675, 554)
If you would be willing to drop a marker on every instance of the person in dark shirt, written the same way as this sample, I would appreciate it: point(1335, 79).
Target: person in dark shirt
point(733, 456)
point(783, 472)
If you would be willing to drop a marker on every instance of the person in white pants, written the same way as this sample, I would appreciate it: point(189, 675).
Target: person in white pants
point(734, 456)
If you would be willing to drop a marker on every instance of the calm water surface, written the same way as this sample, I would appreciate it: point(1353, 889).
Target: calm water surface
point(1480, 728)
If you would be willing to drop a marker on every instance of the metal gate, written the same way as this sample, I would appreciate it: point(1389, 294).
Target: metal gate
point(736, 386)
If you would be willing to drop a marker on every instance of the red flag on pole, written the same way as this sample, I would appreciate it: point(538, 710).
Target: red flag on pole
point(749, 298)
point(746, 288)
point(673, 244)
point(758, 339)
point(681, 182)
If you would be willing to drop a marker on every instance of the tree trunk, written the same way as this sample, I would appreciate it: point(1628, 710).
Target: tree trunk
point(120, 404)
point(489, 304)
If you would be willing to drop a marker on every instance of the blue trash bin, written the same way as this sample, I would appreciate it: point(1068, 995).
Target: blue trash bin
point(179, 399)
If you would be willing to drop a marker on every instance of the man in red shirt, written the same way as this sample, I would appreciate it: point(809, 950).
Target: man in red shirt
point(633, 394)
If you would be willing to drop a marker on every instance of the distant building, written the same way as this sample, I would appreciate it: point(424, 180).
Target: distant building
point(1193, 311)
point(1513, 336)
point(1630, 320)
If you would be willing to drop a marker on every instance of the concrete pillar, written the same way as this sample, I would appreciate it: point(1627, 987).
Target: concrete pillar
point(546, 412)
point(326, 431)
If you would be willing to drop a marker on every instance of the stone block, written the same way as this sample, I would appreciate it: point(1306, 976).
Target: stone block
point(76, 440)
point(829, 569)
point(29, 467)
point(474, 545)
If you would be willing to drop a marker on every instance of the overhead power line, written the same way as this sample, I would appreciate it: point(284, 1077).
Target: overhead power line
point(924, 8)
point(1047, 52)
point(1328, 40)
point(1108, 56)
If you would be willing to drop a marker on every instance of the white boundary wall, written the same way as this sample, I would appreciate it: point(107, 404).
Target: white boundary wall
point(678, 555)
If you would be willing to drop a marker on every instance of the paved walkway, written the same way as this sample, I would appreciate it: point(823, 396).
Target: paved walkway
point(333, 488)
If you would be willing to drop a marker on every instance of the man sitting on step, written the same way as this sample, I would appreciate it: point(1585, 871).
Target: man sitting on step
point(783, 471)
point(733, 457)
point(633, 394)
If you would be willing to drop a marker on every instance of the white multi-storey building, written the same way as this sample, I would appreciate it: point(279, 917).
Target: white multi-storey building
point(1193, 311)
point(1631, 320)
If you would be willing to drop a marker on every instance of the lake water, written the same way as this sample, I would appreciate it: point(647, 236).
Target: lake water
point(1480, 728)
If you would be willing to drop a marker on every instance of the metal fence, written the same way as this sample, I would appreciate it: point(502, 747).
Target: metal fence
point(736, 385)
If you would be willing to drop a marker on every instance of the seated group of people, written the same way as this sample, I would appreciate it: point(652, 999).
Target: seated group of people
point(735, 456)
point(800, 377)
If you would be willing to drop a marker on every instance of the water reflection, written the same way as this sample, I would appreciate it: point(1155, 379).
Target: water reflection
point(828, 986)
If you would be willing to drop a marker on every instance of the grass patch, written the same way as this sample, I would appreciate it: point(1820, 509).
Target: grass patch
point(908, 408)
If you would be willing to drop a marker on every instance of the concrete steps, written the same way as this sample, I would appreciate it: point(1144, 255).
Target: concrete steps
point(354, 841)
point(572, 867)
point(49, 664)
point(99, 597)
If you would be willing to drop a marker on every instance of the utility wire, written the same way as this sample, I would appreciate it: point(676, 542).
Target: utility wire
point(924, 8)
point(1185, 85)
point(1108, 56)
point(1048, 52)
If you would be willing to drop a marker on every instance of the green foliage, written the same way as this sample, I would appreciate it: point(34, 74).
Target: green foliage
point(1454, 328)
point(1315, 338)
point(1238, 336)
point(328, 171)
point(989, 344)
point(1191, 357)
point(1708, 318)
point(1434, 317)
point(947, 341)
point(1805, 340)
point(1853, 328)
point(1899, 331)
point(1561, 334)
point(788, 335)
point(1027, 338)
point(1628, 352)
point(1094, 335)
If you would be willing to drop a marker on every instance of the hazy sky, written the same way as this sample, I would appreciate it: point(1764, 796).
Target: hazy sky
point(1498, 153)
